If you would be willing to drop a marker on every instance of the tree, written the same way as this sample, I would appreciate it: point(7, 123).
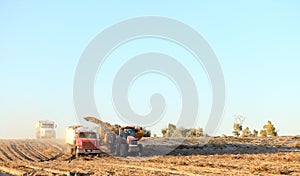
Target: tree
point(171, 126)
point(177, 133)
point(146, 133)
point(168, 132)
point(199, 132)
point(191, 133)
point(237, 126)
point(195, 132)
point(263, 133)
point(236, 133)
point(255, 133)
point(164, 132)
point(246, 132)
point(270, 129)
point(173, 131)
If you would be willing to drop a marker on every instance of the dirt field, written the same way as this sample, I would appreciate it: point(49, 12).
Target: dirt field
point(220, 156)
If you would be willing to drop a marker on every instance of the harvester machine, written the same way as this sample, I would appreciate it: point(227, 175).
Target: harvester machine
point(118, 140)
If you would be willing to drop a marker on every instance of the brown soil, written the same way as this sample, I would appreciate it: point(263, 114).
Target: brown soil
point(220, 156)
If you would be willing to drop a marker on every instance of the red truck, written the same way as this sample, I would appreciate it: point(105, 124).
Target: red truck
point(81, 141)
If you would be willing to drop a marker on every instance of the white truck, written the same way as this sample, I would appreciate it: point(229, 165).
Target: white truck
point(81, 141)
point(45, 129)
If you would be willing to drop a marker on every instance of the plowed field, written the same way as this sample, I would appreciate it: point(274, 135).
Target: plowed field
point(220, 156)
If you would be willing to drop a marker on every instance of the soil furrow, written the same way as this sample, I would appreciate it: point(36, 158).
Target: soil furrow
point(13, 155)
point(46, 157)
point(20, 153)
point(36, 153)
point(5, 154)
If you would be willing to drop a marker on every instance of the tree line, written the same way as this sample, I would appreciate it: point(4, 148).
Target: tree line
point(173, 131)
point(267, 130)
point(238, 131)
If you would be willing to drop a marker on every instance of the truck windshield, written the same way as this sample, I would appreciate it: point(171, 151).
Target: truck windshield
point(88, 135)
point(47, 125)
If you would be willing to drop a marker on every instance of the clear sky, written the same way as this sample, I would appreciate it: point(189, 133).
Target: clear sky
point(257, 44)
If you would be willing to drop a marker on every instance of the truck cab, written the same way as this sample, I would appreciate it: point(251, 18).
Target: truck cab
point(86, 142)
point(45, 129)
point(82, 141)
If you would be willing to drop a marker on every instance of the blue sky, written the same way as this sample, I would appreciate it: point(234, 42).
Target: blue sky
point(257, 44)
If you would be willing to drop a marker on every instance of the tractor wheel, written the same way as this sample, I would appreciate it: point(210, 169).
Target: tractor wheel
point(123, 150)
point(117, 150)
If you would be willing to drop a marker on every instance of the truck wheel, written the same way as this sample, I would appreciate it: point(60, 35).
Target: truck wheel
point(73, 152)
point(123, 150)
point(70, 150)
point(140, 150)
point(77, 155)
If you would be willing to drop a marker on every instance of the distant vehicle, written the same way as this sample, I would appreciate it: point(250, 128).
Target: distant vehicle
point(45, 129)
point(81, 141)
